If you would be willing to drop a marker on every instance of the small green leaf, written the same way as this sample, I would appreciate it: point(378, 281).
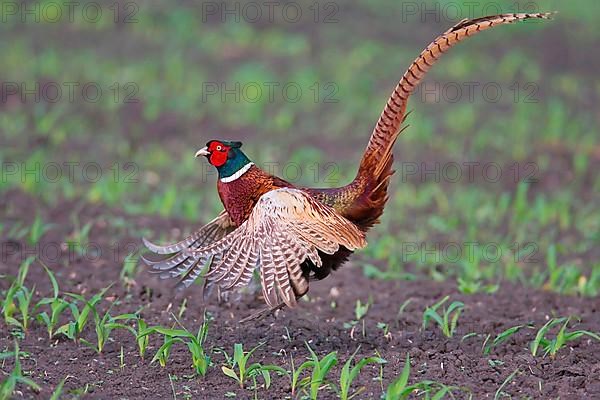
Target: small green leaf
point(230, 373)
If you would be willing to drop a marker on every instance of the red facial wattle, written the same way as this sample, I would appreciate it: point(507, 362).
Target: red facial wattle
point(218, 158)
point(218, 153)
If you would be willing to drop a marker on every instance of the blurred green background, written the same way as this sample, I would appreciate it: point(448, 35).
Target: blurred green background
point(164, 69)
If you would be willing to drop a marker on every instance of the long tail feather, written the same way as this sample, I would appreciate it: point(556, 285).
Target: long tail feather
point(387, 128)
point(376, 164)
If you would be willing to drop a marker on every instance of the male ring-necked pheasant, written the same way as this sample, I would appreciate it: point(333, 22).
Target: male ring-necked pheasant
point(293, 234)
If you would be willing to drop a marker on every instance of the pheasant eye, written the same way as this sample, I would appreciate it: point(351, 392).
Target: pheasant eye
point(219, 148)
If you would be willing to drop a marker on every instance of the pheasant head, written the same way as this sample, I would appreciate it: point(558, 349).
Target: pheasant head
point(227, 157)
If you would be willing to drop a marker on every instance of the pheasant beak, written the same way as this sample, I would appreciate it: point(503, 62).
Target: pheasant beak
point(203, 152)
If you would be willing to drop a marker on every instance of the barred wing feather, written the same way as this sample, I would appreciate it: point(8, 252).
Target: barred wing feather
point(181, 260)
point(286, 227)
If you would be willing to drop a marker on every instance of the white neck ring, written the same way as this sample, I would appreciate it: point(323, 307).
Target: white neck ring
point(237, 174)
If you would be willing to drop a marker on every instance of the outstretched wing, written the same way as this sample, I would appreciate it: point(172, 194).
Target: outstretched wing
point(182, 260)
point(286, 227)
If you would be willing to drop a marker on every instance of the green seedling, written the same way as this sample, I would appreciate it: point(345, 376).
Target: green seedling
point(7, 387)
point(386, 330)
point(163, 352)
point(78, 240)
point(104, 326)
point(24, 297)
point(471, 286)
point(501, 338)
point(129, 269)
point(499, 393)
point(401, 390)
point(73, 329)
point(200, 360)
point(590, 286)
point(56, 395)
point(57, 306)
point(245, 370)
point(37, 230)
point(552, 346)
point(295, 373)
point(521, 209)
point(320, 369)
point(401, 311)
point(194, 343)
point(141, 340)
point(360, 311)
point(348, 374)
point(18, 299)
point(449, 318)
point(561, 278)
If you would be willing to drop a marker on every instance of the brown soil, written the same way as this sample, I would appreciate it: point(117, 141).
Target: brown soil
point(572, 374)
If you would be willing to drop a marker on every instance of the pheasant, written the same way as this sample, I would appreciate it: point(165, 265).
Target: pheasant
point(297, 234)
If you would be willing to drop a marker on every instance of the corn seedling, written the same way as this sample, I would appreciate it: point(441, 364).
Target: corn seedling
point(7, 387)
point(129, 269)
point(401, 311)
point(37, 230)
point(78, 240)
point(320, 369)
point(360, 311)
point(295, 373)
point(142, 326)
point(57, 394)
point(194, 343)
point(449, 318)
point(142, 342)
point(501, 338)
point(348, 374)
point(553, 269)
point(57, 306)
point(18, 299)
point(499, 393)
point(163, 352)
point(386, 330)
point(24, 297)
point(552, 346)
point(401, 390)
point(245, 370)
point(73, 329)
point(590, 286)
point(200, 360)
point(104, 326)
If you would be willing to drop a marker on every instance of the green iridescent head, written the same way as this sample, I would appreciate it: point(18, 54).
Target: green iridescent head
point(226, 156)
